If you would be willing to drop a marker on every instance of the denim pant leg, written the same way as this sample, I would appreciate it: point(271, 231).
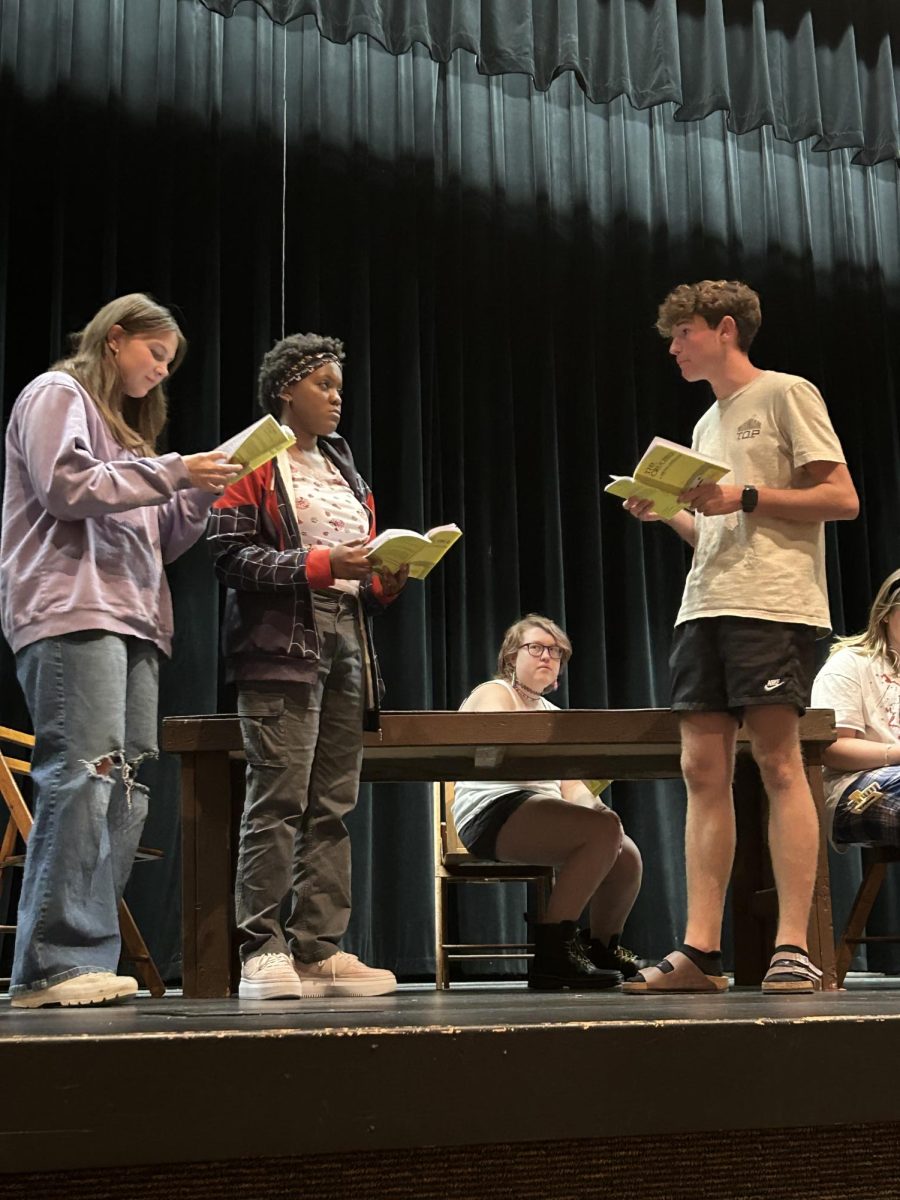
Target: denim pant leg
point(76, 690)
point(130, 800)
point(321, 891)
point(279, 727)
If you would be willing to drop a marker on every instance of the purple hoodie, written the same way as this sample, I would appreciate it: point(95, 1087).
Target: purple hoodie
point(87, 525)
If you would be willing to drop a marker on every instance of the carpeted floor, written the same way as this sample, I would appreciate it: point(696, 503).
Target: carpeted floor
point(858, 1162)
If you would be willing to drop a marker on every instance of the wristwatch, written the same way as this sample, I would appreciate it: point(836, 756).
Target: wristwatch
point(749, 498)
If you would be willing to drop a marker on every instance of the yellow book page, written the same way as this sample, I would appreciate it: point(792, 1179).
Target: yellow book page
point(257, 444)
point(422, 552)
point(674, 469)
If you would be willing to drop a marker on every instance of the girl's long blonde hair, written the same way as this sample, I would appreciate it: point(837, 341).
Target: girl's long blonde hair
point(135, 424)
point(873, 641)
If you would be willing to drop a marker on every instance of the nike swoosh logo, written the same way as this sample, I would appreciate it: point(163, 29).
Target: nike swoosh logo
point(773, 684)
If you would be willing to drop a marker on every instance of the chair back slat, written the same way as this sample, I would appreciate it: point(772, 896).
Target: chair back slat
point(446, 837)
point(18, 809)
point(452, 844)
point(14, 736)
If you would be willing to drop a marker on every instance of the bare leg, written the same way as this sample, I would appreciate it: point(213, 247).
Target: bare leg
point(582, 843)
point(707, 763)
point(615, 897)
point(793, 824)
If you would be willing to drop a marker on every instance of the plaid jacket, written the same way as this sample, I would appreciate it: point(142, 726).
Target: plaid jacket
point(269, 632)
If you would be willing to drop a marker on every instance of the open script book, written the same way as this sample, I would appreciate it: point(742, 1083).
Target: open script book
point(257, 444)
point(422, 551)
point(664, 472)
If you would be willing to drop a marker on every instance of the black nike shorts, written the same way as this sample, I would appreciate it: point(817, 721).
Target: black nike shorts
point(727, 664)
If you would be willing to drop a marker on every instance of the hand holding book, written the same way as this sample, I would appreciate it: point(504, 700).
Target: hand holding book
point(667, 470)
point(257, 443)
point(210, 471)
point(350, 560)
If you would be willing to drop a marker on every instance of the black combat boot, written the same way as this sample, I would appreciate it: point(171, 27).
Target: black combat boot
point(560, 961)
point(612, 957)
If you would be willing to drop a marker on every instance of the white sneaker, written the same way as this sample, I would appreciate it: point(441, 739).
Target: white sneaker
point(269, 977)
point(93, 987)
point(344, 975)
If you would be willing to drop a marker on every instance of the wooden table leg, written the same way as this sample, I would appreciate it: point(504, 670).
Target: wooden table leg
point(207, 918)
point(821, 926)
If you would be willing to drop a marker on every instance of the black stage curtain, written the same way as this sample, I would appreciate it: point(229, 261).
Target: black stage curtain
point(493, 256)
point(808, 68)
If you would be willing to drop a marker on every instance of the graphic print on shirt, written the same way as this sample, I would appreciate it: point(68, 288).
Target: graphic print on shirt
point(891, 702)
point(326, 508)
point(750, 429)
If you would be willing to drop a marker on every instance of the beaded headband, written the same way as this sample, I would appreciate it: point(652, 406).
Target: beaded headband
point(306, 366)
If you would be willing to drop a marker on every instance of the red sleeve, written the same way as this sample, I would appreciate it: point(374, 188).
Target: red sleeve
point(318, 567)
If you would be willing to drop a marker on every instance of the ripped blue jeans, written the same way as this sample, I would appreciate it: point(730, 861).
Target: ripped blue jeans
point(93, 701)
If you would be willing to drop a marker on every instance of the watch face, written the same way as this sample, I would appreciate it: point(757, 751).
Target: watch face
point(749, 498)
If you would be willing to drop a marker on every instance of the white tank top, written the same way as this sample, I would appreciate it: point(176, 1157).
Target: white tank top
point(471, 796)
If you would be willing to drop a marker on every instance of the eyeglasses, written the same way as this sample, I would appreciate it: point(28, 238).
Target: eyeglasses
point(537, 649)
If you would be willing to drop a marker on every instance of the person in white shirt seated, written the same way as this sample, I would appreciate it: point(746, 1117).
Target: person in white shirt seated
point(861, 682)
point(560, 823)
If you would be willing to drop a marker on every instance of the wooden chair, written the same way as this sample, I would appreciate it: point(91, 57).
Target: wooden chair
point(134, 948)
point(875, 863)
point(454, 864)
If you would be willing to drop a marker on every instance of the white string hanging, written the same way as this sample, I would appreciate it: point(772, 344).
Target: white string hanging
point(284, 138)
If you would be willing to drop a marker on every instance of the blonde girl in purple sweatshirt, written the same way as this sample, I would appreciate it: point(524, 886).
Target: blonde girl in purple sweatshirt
point(90, 516)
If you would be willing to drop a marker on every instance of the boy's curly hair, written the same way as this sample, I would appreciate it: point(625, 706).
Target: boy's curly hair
point(713, 299)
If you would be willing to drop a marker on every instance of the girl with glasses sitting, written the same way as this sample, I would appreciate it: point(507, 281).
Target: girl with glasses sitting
point(861, 682)
point(555, 822)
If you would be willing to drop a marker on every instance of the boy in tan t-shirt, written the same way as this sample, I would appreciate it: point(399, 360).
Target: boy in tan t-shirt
point(753, 602)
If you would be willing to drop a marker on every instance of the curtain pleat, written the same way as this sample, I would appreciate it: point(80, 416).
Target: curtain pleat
point(806, 69)
point(493, 255)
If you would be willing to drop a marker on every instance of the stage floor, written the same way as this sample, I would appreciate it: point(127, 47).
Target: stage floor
point(478, 1063)
point(419, 1008)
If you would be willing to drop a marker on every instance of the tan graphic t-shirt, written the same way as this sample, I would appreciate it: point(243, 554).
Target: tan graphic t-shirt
point(755, 566)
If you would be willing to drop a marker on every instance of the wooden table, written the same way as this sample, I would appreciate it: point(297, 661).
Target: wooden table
point(625, 744)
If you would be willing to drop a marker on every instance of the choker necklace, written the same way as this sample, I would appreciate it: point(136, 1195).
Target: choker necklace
point(525, 690)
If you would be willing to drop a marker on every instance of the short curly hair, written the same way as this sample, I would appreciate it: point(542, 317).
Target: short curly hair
point(284, 357)
point(713, 299)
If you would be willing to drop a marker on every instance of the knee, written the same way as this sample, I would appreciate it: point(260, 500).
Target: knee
point(604, 832)
point(779, 770)
point(104, 765)
point(703, 778)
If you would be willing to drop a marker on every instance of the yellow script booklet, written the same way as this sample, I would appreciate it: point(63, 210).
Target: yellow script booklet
point(257, 444)
point(664, 472)
point(596, 786)
point(422, 551)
